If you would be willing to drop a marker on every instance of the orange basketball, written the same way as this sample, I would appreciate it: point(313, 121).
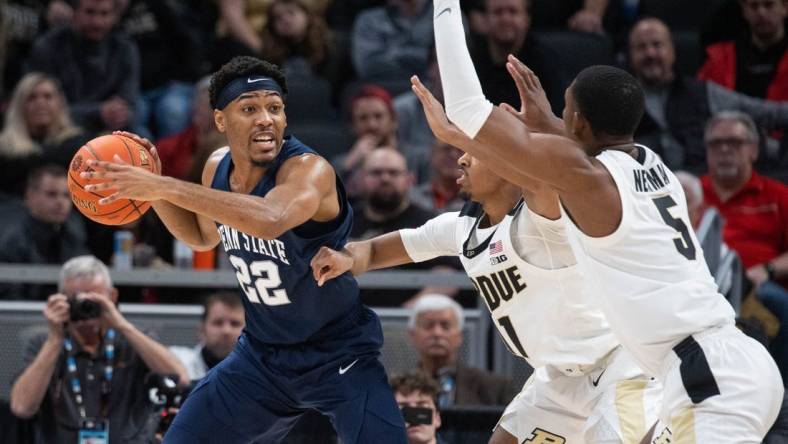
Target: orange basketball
point(121, 211)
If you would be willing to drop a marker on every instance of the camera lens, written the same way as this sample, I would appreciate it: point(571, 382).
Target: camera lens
point(81, 309)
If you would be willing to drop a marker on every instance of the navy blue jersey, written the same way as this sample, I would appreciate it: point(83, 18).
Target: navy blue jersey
point(283, 303)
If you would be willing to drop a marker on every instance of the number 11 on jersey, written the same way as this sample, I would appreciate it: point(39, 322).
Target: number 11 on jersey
point(510, 338)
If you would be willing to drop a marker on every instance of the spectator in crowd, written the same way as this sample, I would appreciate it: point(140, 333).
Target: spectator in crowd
point(220, 327)
point(170, 63)
point(341, 15)
point(98, 68)
point(183, 155)
point(241, 25)
point(414, 389)
point(46, 231)
point(386, 206)
point(298, 40)
point(435, 330)
point(756, 63)
point(38, 130)
point(100, 352)
point(677, 107)
point(755, 210)
point(392, 42)
point(578, 15)
point(693, 191)
point(373, 123)
point(509, 23)
point(23, 21)
point(441, 193)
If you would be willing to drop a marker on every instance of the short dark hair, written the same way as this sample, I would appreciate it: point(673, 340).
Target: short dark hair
point(35, 176)
point(415, 381)
point(242, 66)
point(227, 298)
point(610, 98)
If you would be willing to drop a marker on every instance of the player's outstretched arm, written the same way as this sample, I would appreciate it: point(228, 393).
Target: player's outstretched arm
point(503, 137)
point(384, 251)
point(305, 189)
point(435, 238)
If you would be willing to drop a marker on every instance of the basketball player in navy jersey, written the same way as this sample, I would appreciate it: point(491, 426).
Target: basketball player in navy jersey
point(271, 202)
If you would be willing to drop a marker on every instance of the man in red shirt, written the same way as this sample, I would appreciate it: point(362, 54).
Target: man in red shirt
point(755, 210)
point(756, 63)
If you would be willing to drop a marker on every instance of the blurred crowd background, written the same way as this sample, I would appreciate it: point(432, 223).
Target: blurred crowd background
point(715, 73)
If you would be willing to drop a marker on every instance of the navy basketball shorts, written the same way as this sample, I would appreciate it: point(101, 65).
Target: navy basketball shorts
point(259, 391)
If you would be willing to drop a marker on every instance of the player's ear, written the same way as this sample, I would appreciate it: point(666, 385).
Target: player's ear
point(579, 124)
point(218, 119)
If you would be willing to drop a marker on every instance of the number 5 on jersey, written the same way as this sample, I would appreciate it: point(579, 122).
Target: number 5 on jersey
point(266, 280)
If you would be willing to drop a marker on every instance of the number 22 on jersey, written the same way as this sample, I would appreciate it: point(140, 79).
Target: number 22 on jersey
point(259, 281)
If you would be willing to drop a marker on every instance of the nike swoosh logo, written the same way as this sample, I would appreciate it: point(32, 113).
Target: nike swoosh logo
point(343, 370)
point(596, 383)
point(250, 80)
point(444, 10)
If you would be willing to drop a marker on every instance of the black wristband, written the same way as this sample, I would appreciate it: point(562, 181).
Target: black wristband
point(771, 272)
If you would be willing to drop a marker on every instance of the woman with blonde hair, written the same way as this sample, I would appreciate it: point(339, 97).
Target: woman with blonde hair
point(38, 129)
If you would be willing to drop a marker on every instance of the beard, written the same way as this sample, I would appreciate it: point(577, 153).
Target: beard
point(385, 202)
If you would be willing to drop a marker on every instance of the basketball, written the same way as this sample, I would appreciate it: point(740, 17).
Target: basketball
point(121, 211)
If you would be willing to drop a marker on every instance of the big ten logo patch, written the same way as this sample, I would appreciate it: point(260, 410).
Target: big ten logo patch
point(666, 437)
point(539, 436)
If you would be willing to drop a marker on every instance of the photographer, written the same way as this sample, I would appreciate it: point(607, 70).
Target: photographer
point(417, 394)
point(84, 378)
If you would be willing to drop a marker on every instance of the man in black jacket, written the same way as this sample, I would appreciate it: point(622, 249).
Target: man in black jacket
point(44, 231)
point(98, 68)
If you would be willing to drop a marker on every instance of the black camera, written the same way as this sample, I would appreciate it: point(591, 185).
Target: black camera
point(81, 309)
point(416, 415)
point(167, 396)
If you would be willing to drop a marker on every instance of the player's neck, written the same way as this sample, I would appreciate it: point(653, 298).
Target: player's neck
point(497, 209)
point(245, 176)
point(619, 143)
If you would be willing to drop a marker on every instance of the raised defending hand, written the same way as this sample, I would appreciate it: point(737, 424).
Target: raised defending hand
point(128, 182)
point(147, 144)
point(535, 111)
point(436, 117)
point(328, 264)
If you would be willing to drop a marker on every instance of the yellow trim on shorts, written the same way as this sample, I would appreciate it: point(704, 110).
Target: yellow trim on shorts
point(684, 427)
point(630, 409)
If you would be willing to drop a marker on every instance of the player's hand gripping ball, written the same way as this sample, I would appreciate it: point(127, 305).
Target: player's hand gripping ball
point(120, 211)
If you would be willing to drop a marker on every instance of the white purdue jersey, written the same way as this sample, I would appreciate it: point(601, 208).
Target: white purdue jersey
point(649, 276)
point(542, 312)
